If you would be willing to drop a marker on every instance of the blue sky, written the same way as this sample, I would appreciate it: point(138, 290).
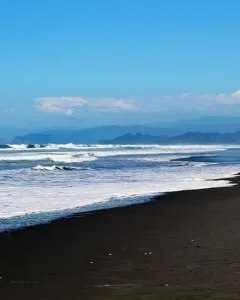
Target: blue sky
point(86, 62)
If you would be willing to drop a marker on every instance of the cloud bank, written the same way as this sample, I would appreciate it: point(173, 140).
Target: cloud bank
point(186, 101)
point(68, 105)
point(64, 105)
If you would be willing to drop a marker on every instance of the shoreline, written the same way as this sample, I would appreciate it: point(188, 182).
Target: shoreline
point(72, 212)
point(181, 245)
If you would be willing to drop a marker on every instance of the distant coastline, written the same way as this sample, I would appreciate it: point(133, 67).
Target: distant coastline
point(128, 138)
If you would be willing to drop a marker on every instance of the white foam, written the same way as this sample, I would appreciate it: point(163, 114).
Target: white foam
point(17, 147)
point(33, 198)
point(89, 153)
point(162, 148)
point(44, 193)
point(54, 157)
point(54, 168)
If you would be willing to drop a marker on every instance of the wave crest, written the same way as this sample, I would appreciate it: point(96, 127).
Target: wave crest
point(53, 168)
point(52, 157)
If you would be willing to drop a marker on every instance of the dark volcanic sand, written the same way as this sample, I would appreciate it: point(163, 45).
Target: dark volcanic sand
point(193, 237)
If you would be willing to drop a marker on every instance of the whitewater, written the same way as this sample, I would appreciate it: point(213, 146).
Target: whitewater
point(41, 183)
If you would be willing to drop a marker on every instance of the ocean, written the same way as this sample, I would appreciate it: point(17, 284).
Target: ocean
point(38, 185)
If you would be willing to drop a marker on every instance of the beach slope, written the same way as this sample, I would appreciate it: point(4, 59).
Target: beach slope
point(183, 245)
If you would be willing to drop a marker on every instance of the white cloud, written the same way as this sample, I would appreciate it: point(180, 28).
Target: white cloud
point(222, 98)
point(186, 96)
point(208, 97)
point(236, 95)
point(64, 105)
point(112, 104)
point(206, 102)
point(68, 105)
point(69, 111)
point(9, 110)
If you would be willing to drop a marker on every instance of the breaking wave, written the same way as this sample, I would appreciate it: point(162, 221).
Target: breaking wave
point(40, 186)
point(54, 168)
point(163, 148)
point(53, 157)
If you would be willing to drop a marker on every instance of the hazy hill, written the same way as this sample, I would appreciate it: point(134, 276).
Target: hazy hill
point(137, 138)
point(92, 135)
point(186, 138)
point(205, 129)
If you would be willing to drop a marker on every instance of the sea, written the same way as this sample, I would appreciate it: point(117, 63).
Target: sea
point(40, 184)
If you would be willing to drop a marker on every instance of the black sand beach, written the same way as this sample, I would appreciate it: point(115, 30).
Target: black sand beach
point(183, 245)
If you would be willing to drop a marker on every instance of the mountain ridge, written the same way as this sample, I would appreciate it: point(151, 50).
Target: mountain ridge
point(186, 138)
point(205, 125)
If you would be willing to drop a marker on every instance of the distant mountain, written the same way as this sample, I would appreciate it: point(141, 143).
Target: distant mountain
point(186, 138)
point(92, 135)
point(205, 138)
point(221, 124)
point(137, 138)
point(176, 131)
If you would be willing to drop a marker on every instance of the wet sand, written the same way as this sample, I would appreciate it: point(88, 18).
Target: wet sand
point(183, 245)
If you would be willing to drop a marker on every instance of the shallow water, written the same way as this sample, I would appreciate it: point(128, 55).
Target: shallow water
point(42, 184)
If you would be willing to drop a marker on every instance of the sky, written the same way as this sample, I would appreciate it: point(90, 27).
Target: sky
point(98, 62)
